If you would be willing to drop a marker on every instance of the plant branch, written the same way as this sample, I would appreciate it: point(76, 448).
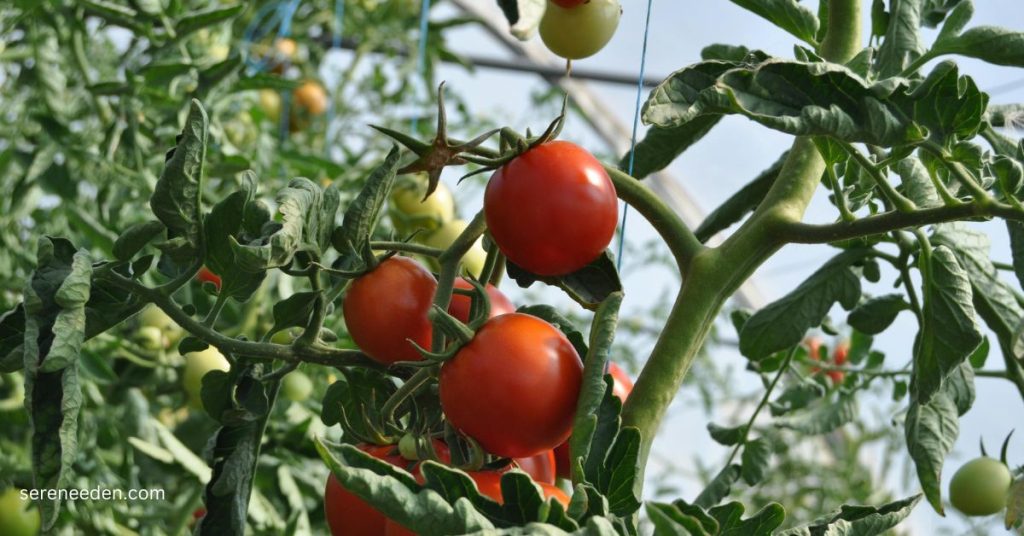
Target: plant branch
point(318, 354)
point(449, 261)
point(681, 241)
point(407, 247)
point(959, 171)
point(901, 203)
point(803, 233)
point(761, 405)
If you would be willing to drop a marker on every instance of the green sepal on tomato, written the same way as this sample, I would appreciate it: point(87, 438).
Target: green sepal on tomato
point(521, 372)
point(387, 307)
point(551, 210)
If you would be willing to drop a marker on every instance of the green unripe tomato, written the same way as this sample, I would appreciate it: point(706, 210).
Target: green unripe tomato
point(580, 31)
point(150, 337)
point(197, 365)
point(980, 487)
point(241, 131)
point(282, 337)
point(410, 211)
point(474, 260)
point(153, 316)
point(296, 386)
point(407, 447)
point(17, 516)
point(270, 104)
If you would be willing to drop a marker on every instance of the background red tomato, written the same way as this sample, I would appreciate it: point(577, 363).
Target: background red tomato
point(513, 388)
point(387, 307)
point(460, 304)
point(553, 209)
point(541, 466)
point(205, 275)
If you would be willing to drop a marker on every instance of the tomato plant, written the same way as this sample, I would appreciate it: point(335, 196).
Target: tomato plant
point(154, 151)
point(387, 308)
point(551, 210)
point(518, 371)
point(580, 29)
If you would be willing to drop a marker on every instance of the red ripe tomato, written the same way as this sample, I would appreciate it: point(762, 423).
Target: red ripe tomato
point(569, 4)
point(622, 386)
point(489, 484)
point(513, 388)
point(839, 356)
point(205, 275)
point(460, 304)
point(540, 467)
point(552, 210)
point(196, 516)
point(387, 307)
point(347, 514)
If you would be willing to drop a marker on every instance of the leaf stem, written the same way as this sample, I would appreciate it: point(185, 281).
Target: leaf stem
point(411, 386)
point(761, 405)
point(449, 261)
point(901, 203)
point(959, 171)
point(406, 247)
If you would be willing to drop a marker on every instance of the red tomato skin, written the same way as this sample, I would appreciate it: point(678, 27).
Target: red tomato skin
point(622, 386)
point(839, 356)
point(205, 275)
point(387, 307)
point(569, 4)
point(513, 387)
point(460, 305)
point(552, 210)
point(347, 514)
point(541, 467)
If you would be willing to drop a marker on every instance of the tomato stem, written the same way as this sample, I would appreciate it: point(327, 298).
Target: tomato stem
point(761, 404)
point(449, 261)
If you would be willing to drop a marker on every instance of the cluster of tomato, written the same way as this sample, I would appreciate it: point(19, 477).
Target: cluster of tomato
point(839, 355)
point(308, 100)
point(576, 29)
point(517, 369)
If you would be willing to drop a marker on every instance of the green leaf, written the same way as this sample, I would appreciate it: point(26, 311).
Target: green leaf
point(992, 44)
point(353, 400)
point(660, 146)
point(589, 286)
point(763, 523)
point(130, 242)
point(719, 51)
point(235, 453)
point(902, 44)
point(307, 219)
point(1015, 505)
point(397, 495)
point(858, 520)
point(917, 184)
point(931, 429)
point(822, 416)
point(551, 315)
point(796, 397)
point(950, 105)
point(876, 314)
point(176, 199)
point(203, 19)
point(671, 520)
point(740, 203)
point(786, 14)
point(719, 487)
point(1016, 231)
point(364, 212)
point(239, 218)
point(55, 299)
point(727, 435)
point(294, 311)
point(12, 337)
point(50, 71)
point(949, 333)
point(265, 81)
point(755, 460)
point(783, 323)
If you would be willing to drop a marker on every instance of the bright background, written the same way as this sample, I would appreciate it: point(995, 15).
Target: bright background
point(733, 153)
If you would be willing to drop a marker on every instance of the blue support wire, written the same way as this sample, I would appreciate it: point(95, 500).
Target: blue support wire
point(421, 52)
point(636, 125)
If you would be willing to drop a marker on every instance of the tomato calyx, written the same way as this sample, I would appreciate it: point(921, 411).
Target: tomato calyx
point(440, 152)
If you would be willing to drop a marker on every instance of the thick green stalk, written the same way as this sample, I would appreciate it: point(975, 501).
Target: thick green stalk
point(715, 274)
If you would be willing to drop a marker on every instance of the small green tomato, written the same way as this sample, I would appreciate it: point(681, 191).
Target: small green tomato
point(979, 488)
point(17, 516)
point(409, 211)
point(581, 31)
point(197, 365)
point(474, 260)
point(296, 386)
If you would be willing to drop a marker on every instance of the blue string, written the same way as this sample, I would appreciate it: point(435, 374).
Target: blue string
point(421, 56)
point(339, 19)
point(636, 125)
